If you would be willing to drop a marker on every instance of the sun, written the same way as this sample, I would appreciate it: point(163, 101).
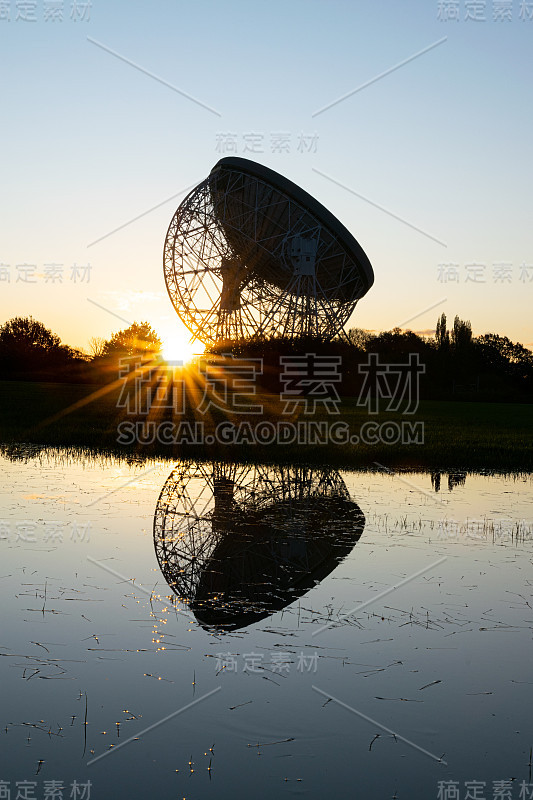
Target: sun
point(177, 347)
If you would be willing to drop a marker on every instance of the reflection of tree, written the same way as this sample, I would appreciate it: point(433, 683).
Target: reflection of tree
point(67, 456)
point(435, 481)
point(16, 451)
point(454, 479)
point(238, 543)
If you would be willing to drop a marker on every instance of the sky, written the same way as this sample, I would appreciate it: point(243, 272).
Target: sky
point(411, 121)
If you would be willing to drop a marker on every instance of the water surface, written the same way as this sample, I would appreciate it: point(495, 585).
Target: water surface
point(210, 630)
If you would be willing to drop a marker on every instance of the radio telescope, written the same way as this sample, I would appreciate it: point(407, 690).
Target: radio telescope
point(248, 253)
point(238, 543)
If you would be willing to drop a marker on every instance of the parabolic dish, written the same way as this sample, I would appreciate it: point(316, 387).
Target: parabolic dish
point(249, 253)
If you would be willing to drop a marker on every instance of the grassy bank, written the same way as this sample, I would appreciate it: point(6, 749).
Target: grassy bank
point(456, 435)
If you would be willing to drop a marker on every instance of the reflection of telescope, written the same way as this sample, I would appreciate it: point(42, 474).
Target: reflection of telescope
point(238, 543)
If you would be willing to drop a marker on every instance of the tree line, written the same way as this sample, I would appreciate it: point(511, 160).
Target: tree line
point(457, 364)
point(31, 351)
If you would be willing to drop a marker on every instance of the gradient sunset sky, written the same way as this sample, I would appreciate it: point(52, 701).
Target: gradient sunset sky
point(111, 113)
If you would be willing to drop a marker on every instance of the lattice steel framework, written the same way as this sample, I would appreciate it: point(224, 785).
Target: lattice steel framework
point(236, 542)
point(242, 258)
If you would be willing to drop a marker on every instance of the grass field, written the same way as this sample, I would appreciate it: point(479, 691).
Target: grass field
point(457, 435)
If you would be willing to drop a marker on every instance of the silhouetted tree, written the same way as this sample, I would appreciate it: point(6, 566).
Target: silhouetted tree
point(138, 339)
point(96, 346)
point(500, 348)
point(395, 345)
point(461, 334)
point(29, 349)
point(359, 338)
point(462, 364)
point(499, 356)
point(26, 335)
point(442, 337)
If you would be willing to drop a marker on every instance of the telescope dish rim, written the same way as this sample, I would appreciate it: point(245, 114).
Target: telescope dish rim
point(282, 184)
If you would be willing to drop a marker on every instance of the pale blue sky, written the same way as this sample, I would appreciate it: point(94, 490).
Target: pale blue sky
point(443, 142)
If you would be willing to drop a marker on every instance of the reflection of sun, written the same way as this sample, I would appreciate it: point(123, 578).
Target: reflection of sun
point(177, 347)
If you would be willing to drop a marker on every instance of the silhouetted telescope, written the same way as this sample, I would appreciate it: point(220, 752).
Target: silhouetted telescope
point(277, 230)
point(248, 253)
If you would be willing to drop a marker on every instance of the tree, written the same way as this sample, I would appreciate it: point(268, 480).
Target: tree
point(461, 334)
point(96, 346)
point(30, 350)
point(442, 337)
point(498, 353)
point(138, 339)
point(25, 335)
point(396, 344)
point(359, 337)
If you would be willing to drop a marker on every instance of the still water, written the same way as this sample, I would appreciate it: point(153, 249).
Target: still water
point(212, 630)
